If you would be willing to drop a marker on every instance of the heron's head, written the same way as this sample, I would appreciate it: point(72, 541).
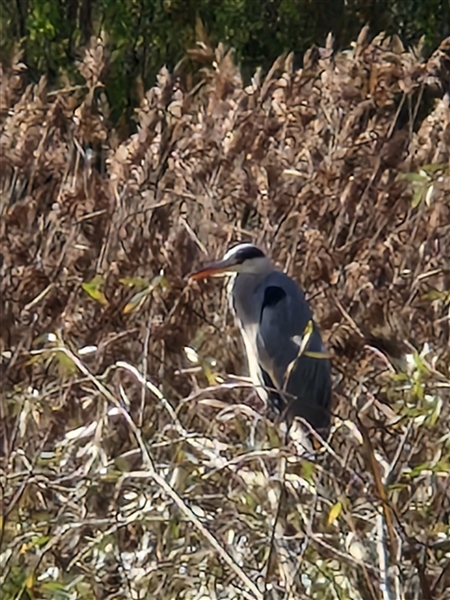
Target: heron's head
point(243, 258)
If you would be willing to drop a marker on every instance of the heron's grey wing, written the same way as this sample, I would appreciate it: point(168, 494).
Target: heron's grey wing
point(310, 384)
point(284, 317)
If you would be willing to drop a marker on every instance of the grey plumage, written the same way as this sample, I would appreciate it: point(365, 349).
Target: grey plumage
point(283, 344)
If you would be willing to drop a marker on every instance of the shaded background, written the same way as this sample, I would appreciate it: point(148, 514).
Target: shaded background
point(143, 35)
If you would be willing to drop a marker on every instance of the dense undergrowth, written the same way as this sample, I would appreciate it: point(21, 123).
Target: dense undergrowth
point(135, 464)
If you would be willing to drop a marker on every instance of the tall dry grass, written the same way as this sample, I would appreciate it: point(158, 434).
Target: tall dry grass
point(133, 467)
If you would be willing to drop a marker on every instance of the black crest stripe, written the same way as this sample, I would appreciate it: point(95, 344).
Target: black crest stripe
point(249, 253)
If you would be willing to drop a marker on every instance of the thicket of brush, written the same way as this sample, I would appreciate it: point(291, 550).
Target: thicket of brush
point(134, 465)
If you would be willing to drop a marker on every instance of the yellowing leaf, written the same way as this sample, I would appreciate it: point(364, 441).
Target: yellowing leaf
point(137, 282)
point(444, 296)
point(36, 542)
point(209, 374)
point(92, 290)
point(302, 343)
point(24, 548)
point(308, 332)
point(136, 301)
point(320, 355)
point(334, 513)
point(139, 298)
point(36, 359)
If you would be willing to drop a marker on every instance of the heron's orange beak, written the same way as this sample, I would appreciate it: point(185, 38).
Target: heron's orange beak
point(217, 269)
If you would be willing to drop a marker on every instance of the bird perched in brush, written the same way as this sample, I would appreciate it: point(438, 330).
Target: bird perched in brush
point(287, 360)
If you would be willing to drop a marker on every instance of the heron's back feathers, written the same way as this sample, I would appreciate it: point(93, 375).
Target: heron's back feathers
point(275, 315)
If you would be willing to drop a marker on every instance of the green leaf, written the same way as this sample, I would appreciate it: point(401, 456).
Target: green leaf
point(414, 177)
point(308, 470)
point(434, 167)
point(92, 289)
point(66, 366)
point(55, 586)
point(418, 195)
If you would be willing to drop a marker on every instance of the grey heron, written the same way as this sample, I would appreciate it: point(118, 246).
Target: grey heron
point(286, 357)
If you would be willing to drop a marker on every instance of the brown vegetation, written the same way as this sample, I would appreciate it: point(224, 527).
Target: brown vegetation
point(117, 488)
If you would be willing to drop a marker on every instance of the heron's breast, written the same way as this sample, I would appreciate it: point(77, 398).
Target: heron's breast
point(249, 334)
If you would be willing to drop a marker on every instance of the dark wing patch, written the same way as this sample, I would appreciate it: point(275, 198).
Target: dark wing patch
point(285, 314)
point(272, 296)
